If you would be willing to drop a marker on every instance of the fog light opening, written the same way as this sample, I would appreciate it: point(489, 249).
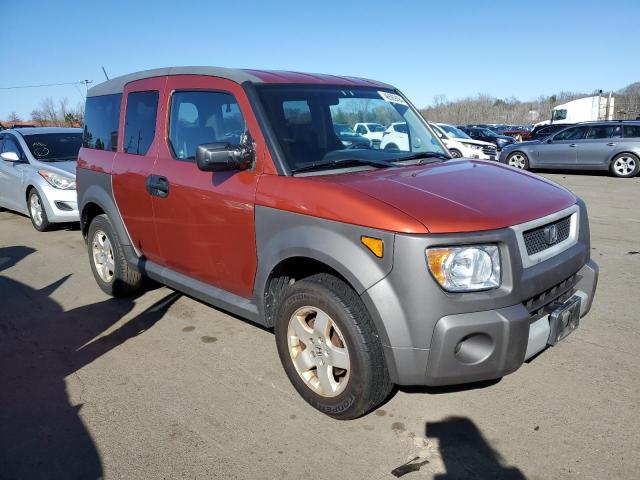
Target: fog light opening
point(474, 348)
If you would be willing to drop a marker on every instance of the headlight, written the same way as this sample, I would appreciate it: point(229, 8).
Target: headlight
point(58, 181)
point(465, 269)
point(472, 146)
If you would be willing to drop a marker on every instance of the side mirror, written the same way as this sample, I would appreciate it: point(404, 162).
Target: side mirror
point(10, 157)
point(220, 157)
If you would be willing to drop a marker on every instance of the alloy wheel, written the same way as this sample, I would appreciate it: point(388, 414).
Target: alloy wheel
point(318, 351)
point(518, 160)
point(624, 166)
point(103, 256)
point(35, 207)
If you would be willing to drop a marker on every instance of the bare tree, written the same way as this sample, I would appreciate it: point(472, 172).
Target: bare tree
point(14, 117)
point(48, 113)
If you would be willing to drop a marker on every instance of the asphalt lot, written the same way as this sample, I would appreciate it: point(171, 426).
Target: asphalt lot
point(163, 386)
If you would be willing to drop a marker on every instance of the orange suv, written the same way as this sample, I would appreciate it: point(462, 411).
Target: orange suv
point(373, 266)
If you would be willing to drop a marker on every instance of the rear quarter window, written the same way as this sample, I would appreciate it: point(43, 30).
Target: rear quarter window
point(101, 117)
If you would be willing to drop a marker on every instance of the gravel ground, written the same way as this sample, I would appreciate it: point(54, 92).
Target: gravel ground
point(163, 386)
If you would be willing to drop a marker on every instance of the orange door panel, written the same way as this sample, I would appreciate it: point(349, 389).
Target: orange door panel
point(205, 225)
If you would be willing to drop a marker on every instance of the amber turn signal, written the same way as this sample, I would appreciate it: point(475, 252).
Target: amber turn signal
point(374, 244)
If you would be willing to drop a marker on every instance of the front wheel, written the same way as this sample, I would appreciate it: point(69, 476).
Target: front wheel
point(625, 165)
point(455, 153)
point(518, 160)
point(329, 349)
point(37, 212)
point(110, 268)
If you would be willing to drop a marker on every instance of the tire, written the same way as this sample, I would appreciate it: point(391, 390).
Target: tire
point(625, 165)
point(391, 146)
point(350, 341)
point(518, 160)
point(110, 268)
point(37, 212)
point(455, 153)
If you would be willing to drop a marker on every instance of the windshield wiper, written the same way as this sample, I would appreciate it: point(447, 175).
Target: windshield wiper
point(343, 162)
point(423, 156)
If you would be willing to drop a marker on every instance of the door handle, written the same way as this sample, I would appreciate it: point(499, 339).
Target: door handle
point(573, 145)
point(611, 144)
point(157, 186)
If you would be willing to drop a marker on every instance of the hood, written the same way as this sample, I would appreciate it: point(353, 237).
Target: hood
point(460, 195)
point(68, 168)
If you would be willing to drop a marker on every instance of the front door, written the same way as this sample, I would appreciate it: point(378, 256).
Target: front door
point(12, 175)
point(561, 150)
point(133, 164)
point(206, 220)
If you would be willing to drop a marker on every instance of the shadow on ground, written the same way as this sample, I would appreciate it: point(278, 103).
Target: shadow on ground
point(41, 434)
point(466, 453)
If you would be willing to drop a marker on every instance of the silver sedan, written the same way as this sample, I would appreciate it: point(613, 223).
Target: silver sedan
point(38, 173)
point(612, 146)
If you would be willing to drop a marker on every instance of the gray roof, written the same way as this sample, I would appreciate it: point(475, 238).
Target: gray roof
point(116, 85)
point(43, 130)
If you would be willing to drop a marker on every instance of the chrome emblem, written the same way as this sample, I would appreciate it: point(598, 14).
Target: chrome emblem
point(550, 234)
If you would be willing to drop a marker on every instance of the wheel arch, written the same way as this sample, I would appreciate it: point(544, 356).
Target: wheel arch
point(622, 152)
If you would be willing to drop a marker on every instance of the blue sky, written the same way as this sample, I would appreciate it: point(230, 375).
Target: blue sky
point(503, 48)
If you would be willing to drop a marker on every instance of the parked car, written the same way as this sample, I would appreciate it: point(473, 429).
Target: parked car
point(518, 133)
point(372, 131)
point(373, 266)
point(462, 145)
point(543, 131)
point(349, 138)
point(37, 174)
point(395, 137)
point(612, 146)
point(486, 135)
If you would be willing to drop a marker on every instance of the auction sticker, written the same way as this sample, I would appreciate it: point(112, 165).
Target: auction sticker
point(393, 98)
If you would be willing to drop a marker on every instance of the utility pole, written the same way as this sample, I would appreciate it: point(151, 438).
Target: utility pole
point(86, 84)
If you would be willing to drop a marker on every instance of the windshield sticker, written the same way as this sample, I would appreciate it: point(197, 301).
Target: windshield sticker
point(39, 149)
point(393, 98)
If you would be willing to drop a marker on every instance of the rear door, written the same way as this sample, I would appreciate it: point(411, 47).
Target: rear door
point(134, 161)
point(599, 144)
point(206, 220)
point(11, 176)
point(561, 150)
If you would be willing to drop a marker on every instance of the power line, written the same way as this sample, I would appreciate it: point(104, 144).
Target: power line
point(83, 82)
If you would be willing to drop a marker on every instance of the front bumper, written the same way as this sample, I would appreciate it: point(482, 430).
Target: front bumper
point(61, 205)
point(431, 337)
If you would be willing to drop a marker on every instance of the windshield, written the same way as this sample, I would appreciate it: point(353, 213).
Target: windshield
point(345, 130)
point(453, 131)
point(54, 147)
point(308, 122)
point(488, 133)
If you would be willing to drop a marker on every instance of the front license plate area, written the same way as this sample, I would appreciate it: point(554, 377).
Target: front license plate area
point(564, 320)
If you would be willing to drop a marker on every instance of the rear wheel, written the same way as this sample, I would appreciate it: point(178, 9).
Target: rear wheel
point(518, 160)
point(625, 165)
point(328, 347)
point(110, 269)
point(37, 212)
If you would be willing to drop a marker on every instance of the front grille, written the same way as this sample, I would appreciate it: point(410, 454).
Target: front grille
point(489, 150)
point(538, 304)
point(537, 240)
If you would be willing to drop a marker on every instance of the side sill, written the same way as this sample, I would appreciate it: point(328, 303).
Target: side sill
point(214, 296)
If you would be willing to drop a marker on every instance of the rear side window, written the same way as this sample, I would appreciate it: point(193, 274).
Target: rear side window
point(140, 122)
point(604, 131)
point(101, 117)
point(632, 131)
point(203, 117)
